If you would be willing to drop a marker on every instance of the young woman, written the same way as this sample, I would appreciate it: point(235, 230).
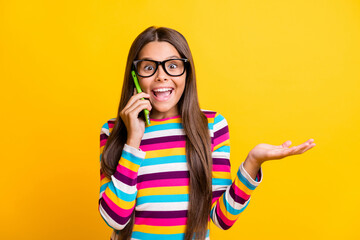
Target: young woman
point(167, 180)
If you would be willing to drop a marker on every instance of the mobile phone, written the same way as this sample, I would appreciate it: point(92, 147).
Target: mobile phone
point(138, 89)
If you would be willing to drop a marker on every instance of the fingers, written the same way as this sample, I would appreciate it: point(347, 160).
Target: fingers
point(286, 144)
point(135, 101)
point(303, 147)
point(134, 112)
point(138, 106)
point(135, 98)
point(308, 146)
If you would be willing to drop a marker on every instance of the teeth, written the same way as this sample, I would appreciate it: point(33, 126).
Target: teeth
point(162, 89)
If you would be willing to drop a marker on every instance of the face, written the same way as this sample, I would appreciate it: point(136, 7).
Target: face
point(164, 104)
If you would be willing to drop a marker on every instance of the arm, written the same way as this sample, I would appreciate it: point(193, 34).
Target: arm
point(251, 166)
point(229, 198)
point(118, 194)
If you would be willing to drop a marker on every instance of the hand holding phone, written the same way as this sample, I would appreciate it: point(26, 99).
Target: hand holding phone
point(138, 89)
point(135, 125)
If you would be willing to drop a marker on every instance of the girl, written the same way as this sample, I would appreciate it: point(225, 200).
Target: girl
point(167, 180)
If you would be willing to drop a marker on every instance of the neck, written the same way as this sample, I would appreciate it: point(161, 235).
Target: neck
point(154, 114)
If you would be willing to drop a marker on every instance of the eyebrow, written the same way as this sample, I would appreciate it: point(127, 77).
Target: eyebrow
point(148, 58)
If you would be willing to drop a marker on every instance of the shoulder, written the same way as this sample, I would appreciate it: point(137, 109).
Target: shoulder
point(214, 118)
point(108, 126)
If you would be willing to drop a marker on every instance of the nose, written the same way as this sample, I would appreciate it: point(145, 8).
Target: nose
point(161, 74)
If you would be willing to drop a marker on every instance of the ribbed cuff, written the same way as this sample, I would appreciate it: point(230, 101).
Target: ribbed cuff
point(249, 178)
point(136, 152)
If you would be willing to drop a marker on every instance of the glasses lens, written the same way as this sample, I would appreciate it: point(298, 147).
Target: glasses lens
point(175, 67)
point(146, 68)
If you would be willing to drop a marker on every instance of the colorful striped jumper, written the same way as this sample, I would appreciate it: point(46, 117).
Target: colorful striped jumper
point(153, 181)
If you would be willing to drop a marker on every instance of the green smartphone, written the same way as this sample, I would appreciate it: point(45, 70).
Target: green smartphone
point(138, 89)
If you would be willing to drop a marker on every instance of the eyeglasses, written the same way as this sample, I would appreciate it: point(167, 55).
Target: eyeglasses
point(173, 67)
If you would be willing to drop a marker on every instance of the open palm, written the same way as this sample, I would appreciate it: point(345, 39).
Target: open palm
point(264, 152)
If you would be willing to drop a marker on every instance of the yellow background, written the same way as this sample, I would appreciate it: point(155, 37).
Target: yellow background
point(276, 70)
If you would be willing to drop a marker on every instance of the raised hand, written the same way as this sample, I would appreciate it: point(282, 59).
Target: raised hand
point(264, 152)
point(135, 126)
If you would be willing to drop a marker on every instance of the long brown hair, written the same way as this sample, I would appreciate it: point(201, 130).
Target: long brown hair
point(198, 142)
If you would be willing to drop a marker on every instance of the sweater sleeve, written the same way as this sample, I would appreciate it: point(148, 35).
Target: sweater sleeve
point(230, 198)
point(118, 194)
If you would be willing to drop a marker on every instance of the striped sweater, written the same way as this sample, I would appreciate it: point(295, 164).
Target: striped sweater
point(153, 181)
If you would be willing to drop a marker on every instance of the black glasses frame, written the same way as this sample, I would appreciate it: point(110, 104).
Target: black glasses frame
point(162, 63)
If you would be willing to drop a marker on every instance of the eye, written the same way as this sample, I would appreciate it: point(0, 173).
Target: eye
point(148, 68)
point(172, 66)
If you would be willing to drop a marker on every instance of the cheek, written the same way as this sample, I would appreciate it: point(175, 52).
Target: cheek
point(183, 83)
point(144, 85)
point(181, 89)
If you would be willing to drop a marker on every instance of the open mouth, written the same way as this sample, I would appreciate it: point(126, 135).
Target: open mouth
point(162, 94)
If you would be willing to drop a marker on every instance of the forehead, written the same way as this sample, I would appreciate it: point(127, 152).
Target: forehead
point(158, 51)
